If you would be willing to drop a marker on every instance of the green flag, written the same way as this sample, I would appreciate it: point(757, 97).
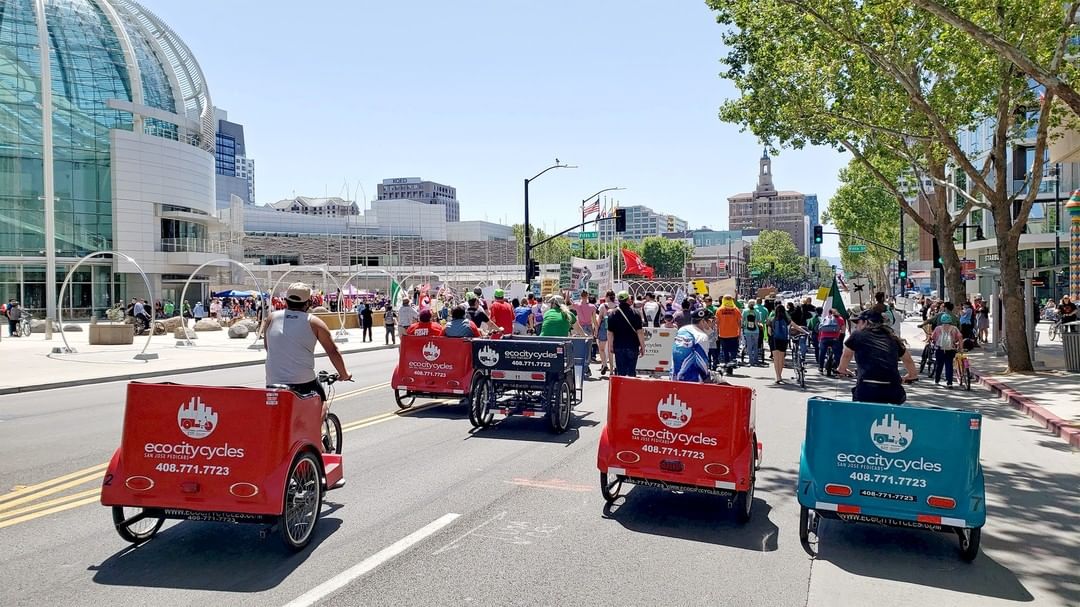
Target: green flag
point(833, 301)
point(395, 291)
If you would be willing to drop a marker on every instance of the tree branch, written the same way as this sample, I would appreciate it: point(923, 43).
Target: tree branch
point(1045, 108)
point(889, 185)
point(915, 96)
point(1013, 54)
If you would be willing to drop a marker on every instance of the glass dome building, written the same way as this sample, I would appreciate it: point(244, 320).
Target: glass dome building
point(106, 143)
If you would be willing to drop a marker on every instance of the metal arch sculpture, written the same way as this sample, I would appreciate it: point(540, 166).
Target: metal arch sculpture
point(67, 280)
point(183, 293)
point(326, 274)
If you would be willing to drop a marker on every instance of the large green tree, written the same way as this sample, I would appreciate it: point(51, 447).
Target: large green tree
point(863, 208)
point(667, 256)
point(888, 81)
point(774, 255)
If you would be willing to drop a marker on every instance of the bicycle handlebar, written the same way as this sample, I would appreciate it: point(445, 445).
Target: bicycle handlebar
point(324, 377)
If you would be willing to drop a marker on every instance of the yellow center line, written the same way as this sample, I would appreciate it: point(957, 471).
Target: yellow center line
point(361, 391)
point(32, 488)
point(57, 489)
point(54, 510)
point(50, 503)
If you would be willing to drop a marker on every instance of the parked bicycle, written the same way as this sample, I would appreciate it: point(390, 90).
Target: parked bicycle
point(23, 328)
point(798, 359)
point(962, 370)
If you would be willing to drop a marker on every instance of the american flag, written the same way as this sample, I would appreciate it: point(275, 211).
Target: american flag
point(590, 209)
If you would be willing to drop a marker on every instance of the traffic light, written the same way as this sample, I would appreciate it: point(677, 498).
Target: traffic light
point(901, 269)
point(939, 261)
point(818, 238)
point(533, 270)
point(620, 220)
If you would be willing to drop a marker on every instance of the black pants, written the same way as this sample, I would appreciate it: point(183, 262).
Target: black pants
point(391, 336)
point(866, 392)
point(944, 360)
point(730, 348)
point(626, 361)
point(366, 334)
point(12, 326)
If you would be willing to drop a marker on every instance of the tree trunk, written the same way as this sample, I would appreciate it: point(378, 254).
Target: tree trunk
point(1012, 296)
point(954, 282)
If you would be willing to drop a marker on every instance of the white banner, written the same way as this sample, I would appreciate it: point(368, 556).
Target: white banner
point(658, 343)
point(582, 271)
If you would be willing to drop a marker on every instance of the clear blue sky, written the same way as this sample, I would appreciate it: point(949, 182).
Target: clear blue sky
point(480, 95)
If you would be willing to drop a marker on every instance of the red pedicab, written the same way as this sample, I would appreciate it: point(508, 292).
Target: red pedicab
point(201, 453)
point(432, 367)
point(681, 436)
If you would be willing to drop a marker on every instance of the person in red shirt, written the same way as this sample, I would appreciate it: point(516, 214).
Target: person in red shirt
point(424, 327)
point(502, 313)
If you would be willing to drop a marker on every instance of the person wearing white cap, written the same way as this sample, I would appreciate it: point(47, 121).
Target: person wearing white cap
point(290, 336)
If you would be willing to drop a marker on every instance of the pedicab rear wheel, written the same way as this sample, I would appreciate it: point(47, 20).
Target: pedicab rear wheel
point(559, 403)
point(480, 414)
point(138, 531)
point(969, 543)
point(610, 486)
point(303, 501)
point(744, 500)
point(403, 398)
point(805, 522)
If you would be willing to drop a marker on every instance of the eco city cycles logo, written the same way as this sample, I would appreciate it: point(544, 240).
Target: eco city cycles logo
point(673, 412)
point(890, 435)
point(431, 352)
point(488, 356)
point(196, 419)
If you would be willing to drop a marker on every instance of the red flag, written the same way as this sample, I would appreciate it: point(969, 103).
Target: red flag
point(636, 265)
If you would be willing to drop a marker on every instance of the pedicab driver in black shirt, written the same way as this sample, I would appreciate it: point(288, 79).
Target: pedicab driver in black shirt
point(877, 352)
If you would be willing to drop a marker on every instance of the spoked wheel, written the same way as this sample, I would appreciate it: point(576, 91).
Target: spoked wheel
point(800, 375)
point(969, 543)
point(403, 398)
point(965, 377)
point(138, 531)
point(303, 500)
point(559, 402)
point(744, 501)
point(610, 486)
point(1054, 330)
point(24, 329)
point(483, 395)
point(331, 434)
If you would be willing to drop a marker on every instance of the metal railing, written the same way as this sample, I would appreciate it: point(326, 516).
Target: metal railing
point(194, 245)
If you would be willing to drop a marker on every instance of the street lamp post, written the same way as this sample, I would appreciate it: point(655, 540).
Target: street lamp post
point(528, 235)
point(1057, 226)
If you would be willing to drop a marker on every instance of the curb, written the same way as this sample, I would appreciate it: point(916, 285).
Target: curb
point(1055, 424)
point(160, 372)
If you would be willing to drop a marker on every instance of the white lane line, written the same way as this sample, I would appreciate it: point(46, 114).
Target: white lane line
point(365, 566)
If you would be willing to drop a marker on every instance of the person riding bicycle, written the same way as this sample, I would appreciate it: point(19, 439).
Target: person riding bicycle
point(290, 337)
point(877, 352)
point(690, 350)
point(830, 338)
point(1067, 310)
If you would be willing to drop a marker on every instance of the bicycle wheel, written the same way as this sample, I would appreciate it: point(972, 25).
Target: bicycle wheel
point(1055, 328)
point(331, 434)
point(24, 329)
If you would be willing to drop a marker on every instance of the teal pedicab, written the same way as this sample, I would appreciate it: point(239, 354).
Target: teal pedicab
point(907, 466)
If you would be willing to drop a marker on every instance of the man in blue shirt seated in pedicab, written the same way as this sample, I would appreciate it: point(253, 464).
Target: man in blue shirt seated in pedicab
point(690, 351)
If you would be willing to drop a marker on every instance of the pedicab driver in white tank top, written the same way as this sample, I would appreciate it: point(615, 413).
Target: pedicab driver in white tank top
point(290, 336)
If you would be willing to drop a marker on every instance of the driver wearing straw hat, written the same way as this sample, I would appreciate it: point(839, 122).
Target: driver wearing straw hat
point(290, 336)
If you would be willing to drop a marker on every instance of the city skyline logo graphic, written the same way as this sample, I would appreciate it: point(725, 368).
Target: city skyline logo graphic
point(431, 352)
point(196, 419)
point(673, 412)
point(488, 356)
point(890, 434)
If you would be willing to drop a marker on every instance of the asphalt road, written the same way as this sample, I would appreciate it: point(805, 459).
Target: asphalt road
point(434, 513)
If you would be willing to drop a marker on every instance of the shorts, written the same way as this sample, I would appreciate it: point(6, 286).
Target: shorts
point(777, 344)
point(307, 389)
point(601, 332)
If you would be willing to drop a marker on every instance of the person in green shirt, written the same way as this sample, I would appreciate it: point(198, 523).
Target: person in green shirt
point(559, 320)
point(169, 308)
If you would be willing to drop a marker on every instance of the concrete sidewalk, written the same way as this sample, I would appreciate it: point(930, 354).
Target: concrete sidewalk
point(29, 363)
point(1050, 395)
